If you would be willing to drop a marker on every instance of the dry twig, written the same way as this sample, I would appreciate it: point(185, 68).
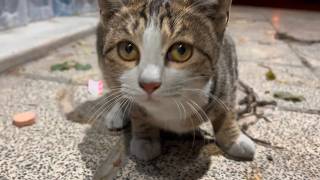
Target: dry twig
point(250, 103)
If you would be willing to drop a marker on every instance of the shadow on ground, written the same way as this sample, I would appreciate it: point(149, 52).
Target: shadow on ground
point(181, 159)
point(106, 153)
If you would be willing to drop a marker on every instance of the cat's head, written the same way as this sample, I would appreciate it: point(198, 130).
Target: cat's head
point(156, 51)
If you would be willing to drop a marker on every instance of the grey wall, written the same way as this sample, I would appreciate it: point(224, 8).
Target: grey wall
point(15, 13)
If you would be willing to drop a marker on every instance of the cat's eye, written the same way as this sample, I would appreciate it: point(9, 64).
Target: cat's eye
point(180, 52)
point(128, 51)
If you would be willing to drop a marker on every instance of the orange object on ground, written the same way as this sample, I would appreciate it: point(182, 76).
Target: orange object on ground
point(24, 119)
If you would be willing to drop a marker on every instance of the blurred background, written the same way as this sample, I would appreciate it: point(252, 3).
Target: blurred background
point(293, 4)
point(15, 13)
point(48, 58)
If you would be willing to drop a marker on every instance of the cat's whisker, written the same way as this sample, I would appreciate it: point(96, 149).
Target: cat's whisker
point(202, 92)
point(108, 108)
point(178, 105)
point(131, 105)
point(113, 98)
point(201, 110)
point(184, 110)
point(128, 108)
point(181, 83)
point(200, 118)
point(119, 111)
point(102, 100)
point(191, 119)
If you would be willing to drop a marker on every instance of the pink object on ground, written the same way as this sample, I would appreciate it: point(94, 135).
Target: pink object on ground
point(24, 119)
point(95, 87)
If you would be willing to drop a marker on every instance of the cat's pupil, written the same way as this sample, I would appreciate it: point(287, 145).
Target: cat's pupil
point(181, 49)
point(129, 48)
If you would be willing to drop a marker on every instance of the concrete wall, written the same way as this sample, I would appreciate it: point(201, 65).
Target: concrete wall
point(15, 13)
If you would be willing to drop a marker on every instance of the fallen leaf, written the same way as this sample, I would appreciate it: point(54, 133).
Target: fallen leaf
point(243, 40)
point(69, 65)
point(117, 163)
point(287, 96)
point(60, 67)
point(270, 75)
point(82, 67)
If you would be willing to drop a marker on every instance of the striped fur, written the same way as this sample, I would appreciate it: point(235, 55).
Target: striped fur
point(203, 88)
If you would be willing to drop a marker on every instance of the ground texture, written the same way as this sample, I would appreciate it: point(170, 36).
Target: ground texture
point(286, 42)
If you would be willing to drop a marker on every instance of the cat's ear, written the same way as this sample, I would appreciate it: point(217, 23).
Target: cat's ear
point(224, 8)
point(109, 7)
point(219, 13)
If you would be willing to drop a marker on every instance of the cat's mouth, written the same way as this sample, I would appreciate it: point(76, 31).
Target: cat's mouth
point(151, 99)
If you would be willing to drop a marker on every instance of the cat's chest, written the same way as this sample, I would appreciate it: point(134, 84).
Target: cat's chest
point(177, 115)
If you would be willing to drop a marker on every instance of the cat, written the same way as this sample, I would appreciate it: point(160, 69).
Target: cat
point(171, 66)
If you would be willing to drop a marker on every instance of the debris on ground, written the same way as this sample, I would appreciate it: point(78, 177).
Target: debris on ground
point(82, 67)
point(270, 158)
point(270, 75)
point(67, 65)
point(248, 106)
point(255, 174)
point(95, 87)
point(61, 67)
point(24, 119)
point(287, 96)
point(65, 99)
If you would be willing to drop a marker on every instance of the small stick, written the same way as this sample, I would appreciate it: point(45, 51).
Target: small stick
point(251, 103)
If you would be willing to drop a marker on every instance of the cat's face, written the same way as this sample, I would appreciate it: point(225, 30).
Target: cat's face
point(159, 52)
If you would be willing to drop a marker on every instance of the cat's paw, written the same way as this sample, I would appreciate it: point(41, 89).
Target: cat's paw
point(115, 119)
point(243, 149)
point(145, 149)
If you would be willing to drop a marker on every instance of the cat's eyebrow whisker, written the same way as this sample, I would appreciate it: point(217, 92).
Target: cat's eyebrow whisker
point(189, 10)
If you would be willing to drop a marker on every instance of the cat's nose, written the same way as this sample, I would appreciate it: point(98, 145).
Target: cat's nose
point(150, 87)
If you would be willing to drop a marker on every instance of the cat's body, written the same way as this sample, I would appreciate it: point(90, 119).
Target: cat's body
point(171, 61)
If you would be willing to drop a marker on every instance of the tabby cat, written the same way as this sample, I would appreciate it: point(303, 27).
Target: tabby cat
point(170, 66)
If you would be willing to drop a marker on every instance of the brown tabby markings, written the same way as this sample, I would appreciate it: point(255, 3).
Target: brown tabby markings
point(200, 23)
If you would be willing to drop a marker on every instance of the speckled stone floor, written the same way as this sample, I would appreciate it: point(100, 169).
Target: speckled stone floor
point(55, 148)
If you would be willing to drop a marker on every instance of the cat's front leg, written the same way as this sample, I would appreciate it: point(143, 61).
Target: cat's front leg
point(116, 119)
point(145, 142)
point(230, 138)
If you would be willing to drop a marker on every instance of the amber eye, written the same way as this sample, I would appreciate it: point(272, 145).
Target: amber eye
point(128, 51)
point(180, 52)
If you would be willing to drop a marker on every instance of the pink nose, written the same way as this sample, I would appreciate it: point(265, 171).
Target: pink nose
point(150, 87)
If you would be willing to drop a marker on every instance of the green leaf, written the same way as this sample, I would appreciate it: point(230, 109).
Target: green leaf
point(287, 96)
point(69, 65)
point(270, 76)
point(82, 67)
point(60, 67)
